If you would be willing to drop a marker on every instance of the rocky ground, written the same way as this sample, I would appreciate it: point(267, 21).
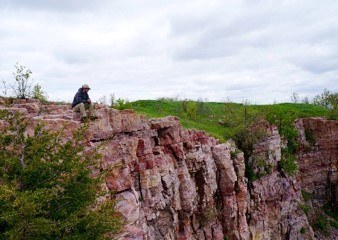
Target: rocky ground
point(172, 183)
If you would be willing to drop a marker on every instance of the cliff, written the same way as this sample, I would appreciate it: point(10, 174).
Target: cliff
point(318, 158)
point(172, 183)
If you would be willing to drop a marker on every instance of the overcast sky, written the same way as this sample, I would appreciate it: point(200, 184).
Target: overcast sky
point(258, 50)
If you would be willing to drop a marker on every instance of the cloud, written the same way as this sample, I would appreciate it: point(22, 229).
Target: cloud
point(257, 50)
point(50, 5)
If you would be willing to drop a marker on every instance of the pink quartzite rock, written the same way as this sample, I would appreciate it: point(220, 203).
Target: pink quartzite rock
point(172, 183)
point(318, 158)
point(32, 106)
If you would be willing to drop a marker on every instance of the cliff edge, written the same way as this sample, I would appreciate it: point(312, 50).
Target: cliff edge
point(173, 183)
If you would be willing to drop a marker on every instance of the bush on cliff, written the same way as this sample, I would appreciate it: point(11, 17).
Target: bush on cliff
point(47, 187)
point(39, 93)
point(328, 100)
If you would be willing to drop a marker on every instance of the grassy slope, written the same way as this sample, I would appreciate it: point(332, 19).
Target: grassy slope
point(213, 112)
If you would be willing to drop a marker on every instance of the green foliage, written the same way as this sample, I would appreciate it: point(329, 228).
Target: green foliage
point(306, 195)
point(193, 110)
point(39, 93)
point(250, 173)
point(229, 113)
point(242, 115)
point(334, 224)
point(189, 109)
point(236, 121)
point(234, 154)
point(324, 99)
point(169, 99)
point(331, 209)
point(288, 163)
point(119, 103)
point(309, 136)
point(23, 83)
point(302, 230)
point(47, 188)
point(328, 100)
point(247, 137)
point(321, 223)
point(257, 167)
point(305, 208)
point(246, 132)
point(284, 120)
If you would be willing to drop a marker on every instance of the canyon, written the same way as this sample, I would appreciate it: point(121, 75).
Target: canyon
point(174, 183)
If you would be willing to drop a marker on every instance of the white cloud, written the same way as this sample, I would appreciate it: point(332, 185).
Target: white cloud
point(257, 50)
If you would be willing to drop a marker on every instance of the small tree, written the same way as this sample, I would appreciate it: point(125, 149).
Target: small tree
point(39, 93)
point(328, 100)
point(119, 103)
point(324, 99)
point(294, 97)
point(306, 100)
point(4, 88)
point(47, 188)
point(23, 83)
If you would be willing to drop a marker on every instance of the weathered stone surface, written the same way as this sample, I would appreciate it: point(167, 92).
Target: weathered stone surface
point(171, 183)
point(32, 106)
point(318, 158)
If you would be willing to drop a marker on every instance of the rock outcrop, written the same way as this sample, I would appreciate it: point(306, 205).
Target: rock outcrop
point(172, 183)
point(318, 159)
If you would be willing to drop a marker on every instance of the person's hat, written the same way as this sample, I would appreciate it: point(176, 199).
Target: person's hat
point(85, 86)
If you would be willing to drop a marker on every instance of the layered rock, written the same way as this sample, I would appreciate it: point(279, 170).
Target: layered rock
point(318, 159)
point(274, 198)
point(171, 183)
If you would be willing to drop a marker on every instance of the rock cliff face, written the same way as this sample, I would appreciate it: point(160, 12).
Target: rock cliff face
point(318, 159)
point(172, 183)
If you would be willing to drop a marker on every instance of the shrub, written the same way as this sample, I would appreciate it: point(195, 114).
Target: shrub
point(328, 100)
point(23, 83)
point(285, 123)
point(233, 154)
point(39, 93)
point(119, 103)
point(309, 136)
point(288, 163)
point(306, 195)
point(4, 88)
point(334, 224)
point(331, 209)
point(324, 99)
point(47, 187)
point(189, 108)
point(305, 208)
point(247, 137)
point(202, 108)
point(294, 97)
point(321, 223)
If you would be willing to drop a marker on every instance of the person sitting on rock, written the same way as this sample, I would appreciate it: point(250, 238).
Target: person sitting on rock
point(82, 102)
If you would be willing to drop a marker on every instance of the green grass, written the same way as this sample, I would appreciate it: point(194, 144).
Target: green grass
point(220, 119)
point(331, 209)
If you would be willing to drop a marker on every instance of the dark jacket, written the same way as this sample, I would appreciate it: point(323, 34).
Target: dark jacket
point(80, 97)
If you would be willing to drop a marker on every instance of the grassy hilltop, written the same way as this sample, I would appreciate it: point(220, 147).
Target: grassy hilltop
point(238, 122)
point(222, 119)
